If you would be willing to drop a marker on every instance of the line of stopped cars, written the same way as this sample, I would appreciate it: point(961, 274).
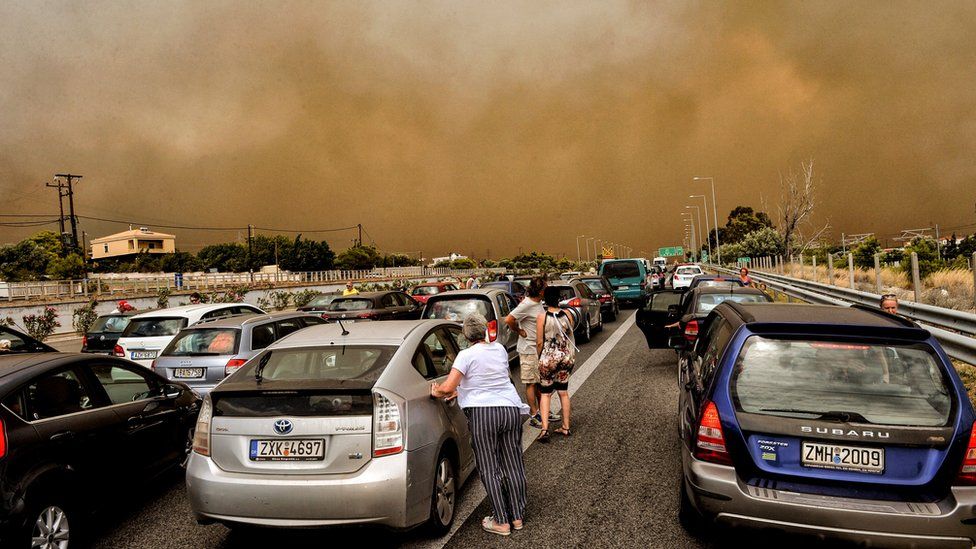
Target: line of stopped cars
point(292, 419)
point(833, 422)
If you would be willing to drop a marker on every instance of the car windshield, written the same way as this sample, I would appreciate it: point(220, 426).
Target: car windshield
point(688, 271)
point(322, 301)
point(523, 282)
point(883, 384)
point(621, 269)
point(707, 302)
point(500, 285)
point(204, 342)
point(563, 293)
point(110, 324)
point(154, 327)
point(16, 344)
point(335, 362)
point(595, 285)
point(345, 304)
point(457, 309)
point(426, 290)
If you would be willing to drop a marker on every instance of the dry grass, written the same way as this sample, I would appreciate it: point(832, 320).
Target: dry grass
point(949, 288)
point(967, 373)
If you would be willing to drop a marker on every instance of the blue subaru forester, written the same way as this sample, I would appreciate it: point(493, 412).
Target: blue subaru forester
point(839, 422)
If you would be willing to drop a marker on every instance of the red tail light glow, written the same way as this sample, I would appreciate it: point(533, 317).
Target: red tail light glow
point(366, 315)
point(575, 302)
point(967, 475)
point(119, 351)
point(84, 341)
point(691, 330)
point(710, 445)
point(232, 365)
point(605, 298)
point(3, 439)
point(493, 330)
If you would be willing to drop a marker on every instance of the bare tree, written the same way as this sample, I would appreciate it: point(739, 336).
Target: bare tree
point(796, 202)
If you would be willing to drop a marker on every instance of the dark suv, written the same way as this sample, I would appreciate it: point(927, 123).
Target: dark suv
point(832, 421)
point(390, 305)
point(77, 430)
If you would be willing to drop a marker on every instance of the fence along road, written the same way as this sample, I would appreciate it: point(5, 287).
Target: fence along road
point(937, 320)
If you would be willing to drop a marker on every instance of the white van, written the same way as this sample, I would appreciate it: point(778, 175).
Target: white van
point(661, 261)
point(149, 333)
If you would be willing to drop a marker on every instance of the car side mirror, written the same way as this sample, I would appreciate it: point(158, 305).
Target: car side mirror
point(678, 343)
point(172, 391)
point(674, 309)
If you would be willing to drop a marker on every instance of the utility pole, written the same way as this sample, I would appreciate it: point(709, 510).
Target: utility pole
point(360, 226)
point(59, 187)
point(250, 237)
point(71, 204)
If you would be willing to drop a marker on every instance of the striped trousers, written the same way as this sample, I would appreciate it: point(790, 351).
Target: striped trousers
point(496, 434)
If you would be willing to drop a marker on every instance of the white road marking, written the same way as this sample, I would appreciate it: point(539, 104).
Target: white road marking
point(475, 492)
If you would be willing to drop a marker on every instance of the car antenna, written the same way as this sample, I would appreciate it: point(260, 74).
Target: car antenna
point(345, 332)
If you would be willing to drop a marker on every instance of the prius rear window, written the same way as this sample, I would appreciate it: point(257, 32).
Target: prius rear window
point(859, 383)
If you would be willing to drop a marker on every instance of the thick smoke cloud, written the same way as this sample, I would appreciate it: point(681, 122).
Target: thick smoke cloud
point(477, 125)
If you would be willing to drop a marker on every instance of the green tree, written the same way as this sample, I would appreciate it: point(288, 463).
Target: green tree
point(227, 258)
point(358, 258)
point(71, 266)
point(762, 242)
point(864, 253)
point(743, 220)
point(928, 256)
point(306, 255)
point(180, 262)
point(29, 258)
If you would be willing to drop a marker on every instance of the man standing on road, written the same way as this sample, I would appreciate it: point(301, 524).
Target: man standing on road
point(522, 320)
point(350, 289)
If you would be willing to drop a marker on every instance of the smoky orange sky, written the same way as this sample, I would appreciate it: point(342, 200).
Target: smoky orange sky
point(476, 126)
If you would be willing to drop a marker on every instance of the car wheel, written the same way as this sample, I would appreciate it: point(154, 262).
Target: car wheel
point(444, 496)
point(587, 333)
point(599, 321)
point(50, 521)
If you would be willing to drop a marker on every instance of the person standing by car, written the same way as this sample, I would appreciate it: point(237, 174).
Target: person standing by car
point(744, 277)
point(350, 289)
point(556, 346)
point(522, 320)
point(194, 299)
point(479, 379)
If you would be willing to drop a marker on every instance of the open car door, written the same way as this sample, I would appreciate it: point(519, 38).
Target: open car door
point(663, 307)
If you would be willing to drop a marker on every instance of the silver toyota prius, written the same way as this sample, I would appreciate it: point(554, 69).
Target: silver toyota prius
point(334, 425)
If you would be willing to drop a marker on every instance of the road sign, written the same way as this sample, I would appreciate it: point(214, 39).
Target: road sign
point(608, 253)
point(744, 260)
point(671, 252)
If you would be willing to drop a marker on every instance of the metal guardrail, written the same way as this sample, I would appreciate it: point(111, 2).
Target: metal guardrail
point(944, 324)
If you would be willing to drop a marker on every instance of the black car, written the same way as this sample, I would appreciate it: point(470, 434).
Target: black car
point(389, 305)
point(320, 303)
point(12, 341)
point(600, 286)
point(79, 430)
point(105, 332)
point(670, 313)
point(514, 288)
point(574, 293)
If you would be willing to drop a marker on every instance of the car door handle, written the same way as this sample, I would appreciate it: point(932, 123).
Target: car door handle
point(63, 436)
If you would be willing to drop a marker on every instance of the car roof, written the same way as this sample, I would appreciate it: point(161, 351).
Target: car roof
point(367, 295)
point(434, 284)
point(17, 362)
point(386, 332)
point(731, 289)
point(569, 282)
point(484, 292)
point(188, 310)
point(238, 321)
point(799, 315)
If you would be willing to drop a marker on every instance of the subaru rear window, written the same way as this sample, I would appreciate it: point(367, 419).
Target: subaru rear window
point(458, 308)
point(362, 363)
point(707, 302)
point(204, 342)
point(860, 383)
point(621, 269)
point(154, 327)
point(110, 324)
point(351, 305)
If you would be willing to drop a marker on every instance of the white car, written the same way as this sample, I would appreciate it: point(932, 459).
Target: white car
point(149, 333)
point(683, 275)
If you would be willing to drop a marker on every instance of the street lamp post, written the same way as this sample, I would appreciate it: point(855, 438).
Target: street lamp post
point(718, 245)
point(586, 244)
point(698, 210)
point(596, 255)
point(691, 220)
point(578, 256)
point(708, 231)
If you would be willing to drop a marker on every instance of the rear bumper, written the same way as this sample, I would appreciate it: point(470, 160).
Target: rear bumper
point(716, 492)
point(630, 294)
point(376, 494)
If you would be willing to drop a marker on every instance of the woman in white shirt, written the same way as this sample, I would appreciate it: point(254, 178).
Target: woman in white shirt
point(480, 380)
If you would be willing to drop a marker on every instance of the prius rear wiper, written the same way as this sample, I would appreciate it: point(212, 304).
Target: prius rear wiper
point(832, 415)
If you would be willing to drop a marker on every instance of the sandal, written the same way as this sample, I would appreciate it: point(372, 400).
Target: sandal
point(543, 437)
point(564, 432)
point(519, 526)
point(488, 524)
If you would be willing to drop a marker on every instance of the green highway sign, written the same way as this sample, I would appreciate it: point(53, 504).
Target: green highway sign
point(744, 260)
point(671, 252)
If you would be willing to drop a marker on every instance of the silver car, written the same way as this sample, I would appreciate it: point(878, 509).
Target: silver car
point(335, 425)
point(202, 355)
point(493, 303)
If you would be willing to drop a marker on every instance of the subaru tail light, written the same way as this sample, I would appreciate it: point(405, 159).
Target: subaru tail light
point(232, 365)
point(387, 426)
point(967, 475)
point(119, 351)
point(201, 435)
point(710, 444)
point(84, 342)
point(493, 330)
point(691, 330)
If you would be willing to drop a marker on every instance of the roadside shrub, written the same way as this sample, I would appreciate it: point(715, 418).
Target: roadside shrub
point(7, 322)
point(303, 297)
point(162, 298)
point(967, 373)
point(263, 304)
point(41, 326)
point(83, 317)
point(280, 299)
